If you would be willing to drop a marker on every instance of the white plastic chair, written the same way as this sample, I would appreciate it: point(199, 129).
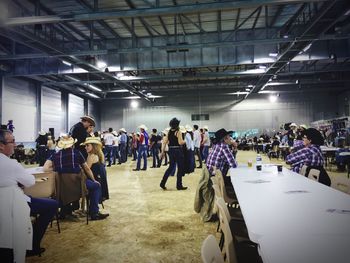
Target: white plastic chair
point(341, 183)
point(314, 175)
point(303, 170)
point(210, 251)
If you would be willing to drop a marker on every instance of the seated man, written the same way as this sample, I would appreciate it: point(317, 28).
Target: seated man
point(221, 157)
point(311, 154)
point(70, 160)
point(12, 175)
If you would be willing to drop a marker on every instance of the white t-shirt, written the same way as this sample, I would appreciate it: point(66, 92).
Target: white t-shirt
point(206, 139)
point(12, 172)
point(197, 139)
point(108, 139)
point(116, 141)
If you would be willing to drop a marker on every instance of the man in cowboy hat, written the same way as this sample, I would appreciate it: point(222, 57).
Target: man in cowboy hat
point(221, 157)
point(70, 161)
point(142, 148)
point(79, 131)
point(123, 139)
point(154, 146)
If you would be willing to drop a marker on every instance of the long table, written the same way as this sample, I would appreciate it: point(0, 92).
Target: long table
point(288, 215)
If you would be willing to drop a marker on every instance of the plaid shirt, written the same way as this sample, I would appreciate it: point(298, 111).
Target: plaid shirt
point(220, 157)
point(310, 156)
point(67, 161)
point(297, 145)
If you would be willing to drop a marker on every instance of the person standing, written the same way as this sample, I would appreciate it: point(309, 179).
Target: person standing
point(41, 147)
point(108, 139)
point(176, 154)
point(122, 145)
point(79, 131)
point(155, 148)
point(197, 144)
point(206, 143)
point(189, 160)
point(142, 148)
point(115, 152)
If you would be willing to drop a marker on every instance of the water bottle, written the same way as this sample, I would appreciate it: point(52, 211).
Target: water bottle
point(258, 162)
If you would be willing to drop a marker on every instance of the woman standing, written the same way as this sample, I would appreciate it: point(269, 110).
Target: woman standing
point(189, 159)
point(175, 143)
point(96, 163)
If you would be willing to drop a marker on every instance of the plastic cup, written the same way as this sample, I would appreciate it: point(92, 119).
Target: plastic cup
point(250, 163)
point(279, 168)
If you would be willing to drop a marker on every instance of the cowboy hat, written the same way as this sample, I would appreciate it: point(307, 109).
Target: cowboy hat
point(88, 119)
point(122, 129)
point(293, 125)
point(142, 126)
point(303, 126)
point(66, 142)
point(166, 130)
point(314, 136)
point(206, 128)
point(220, 134)
point(188, 128)
point(174, 123)
point(182, 129)
point(92, 140)
point(42, 133)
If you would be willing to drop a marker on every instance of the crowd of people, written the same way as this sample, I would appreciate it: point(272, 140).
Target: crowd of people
point(83, 153)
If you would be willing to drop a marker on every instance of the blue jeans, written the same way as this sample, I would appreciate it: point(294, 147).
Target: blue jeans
point(176, 157)
point(109, 154)
point(155, 152)
point(94, 195)
point(142, 152)
point(46, 208)
point(115, 154)
point(122, 149)
point(205, 152)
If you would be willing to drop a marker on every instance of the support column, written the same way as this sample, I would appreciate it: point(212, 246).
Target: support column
point(38, 106)
point(64, 105)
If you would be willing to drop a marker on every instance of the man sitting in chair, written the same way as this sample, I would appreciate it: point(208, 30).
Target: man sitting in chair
point(70, 161)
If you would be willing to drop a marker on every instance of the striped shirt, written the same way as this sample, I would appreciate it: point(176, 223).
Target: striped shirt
point(67, 161)
point(310, 156)
point(220, 157)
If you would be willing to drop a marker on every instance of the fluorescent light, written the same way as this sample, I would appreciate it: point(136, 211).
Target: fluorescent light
point(119, 90)
point(266, 91)
point(134, 104)
point(247, 89)
point(273, 54)
point(307, 47)
point(240, 93)
point(93, 95)
point(262, 67)
point(131, 97)
point(94, 87)
point(273, 98)
point(101, 64)
point(66, 63)
point(154, 96)
point(250, 86)
point(81, 90)
point(149, 94)
point(120, 74)
point(72, 78)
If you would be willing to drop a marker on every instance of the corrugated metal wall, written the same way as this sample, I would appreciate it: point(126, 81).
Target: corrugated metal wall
point(75, 109)
point(20, 105)
point(94, 111)
point(51, 110)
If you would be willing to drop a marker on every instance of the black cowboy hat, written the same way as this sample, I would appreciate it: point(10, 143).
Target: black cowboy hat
point(314, 136)
point(220, 134)
point(174, 123)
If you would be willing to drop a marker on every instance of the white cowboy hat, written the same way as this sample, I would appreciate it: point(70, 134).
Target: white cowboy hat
point(293, 125)
point(66, 142)
point(303, 126)
point(42, 133)
point(92, 140)
point(122, 129)
point(142, 126)
point(188, 128)
point(206, 128)
point(88, 119)
point(182, 129)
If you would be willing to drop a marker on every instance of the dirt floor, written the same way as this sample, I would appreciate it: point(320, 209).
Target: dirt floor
point(146, 224)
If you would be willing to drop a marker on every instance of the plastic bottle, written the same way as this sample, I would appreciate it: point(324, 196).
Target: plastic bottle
point(258, 160)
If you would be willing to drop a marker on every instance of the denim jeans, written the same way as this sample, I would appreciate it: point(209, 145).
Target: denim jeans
point(94, 195)
point(142, 153)
point(176, 157)
point(155, 152)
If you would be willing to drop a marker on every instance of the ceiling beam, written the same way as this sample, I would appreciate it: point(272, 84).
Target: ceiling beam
point(145, 12)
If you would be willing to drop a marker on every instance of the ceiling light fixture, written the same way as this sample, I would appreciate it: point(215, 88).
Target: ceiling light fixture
point(120, 74)
point(94, 87)
point(134, 104)
point(92, 95)
point(101, 64)
point(273, 54)
point(273, 98)
point(262, 67)
point(119, 90)
point(66, 63)
point(240, 93)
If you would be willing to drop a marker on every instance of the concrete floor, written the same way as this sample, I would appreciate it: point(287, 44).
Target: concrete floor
point(146, 224)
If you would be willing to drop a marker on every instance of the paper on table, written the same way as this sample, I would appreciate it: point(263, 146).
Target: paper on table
point(296, 192)
point(339, 211)
point(259, 181)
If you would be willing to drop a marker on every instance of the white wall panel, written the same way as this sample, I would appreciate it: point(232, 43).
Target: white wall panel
point(51, 110)
point(94, 111)
point(19, 105)
point(75, 109)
